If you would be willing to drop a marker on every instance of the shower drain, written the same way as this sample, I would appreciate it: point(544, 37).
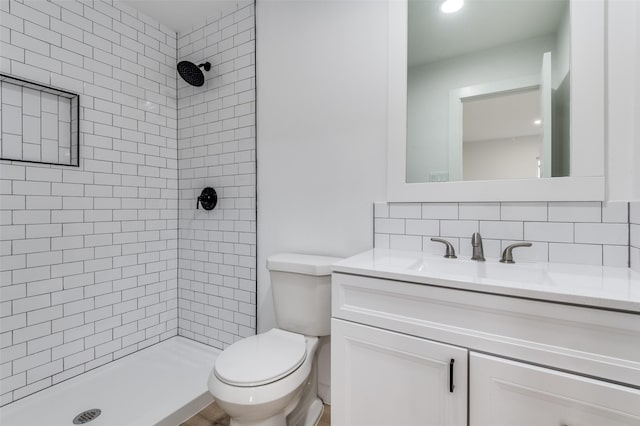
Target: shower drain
point(86, 416)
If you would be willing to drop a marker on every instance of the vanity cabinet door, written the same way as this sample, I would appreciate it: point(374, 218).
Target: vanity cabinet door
point(382, 378)
point(507, 393)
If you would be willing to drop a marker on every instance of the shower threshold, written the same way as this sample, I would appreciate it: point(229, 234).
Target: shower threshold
point(162, 385)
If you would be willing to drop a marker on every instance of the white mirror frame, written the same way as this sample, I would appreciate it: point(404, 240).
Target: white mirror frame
point(586, 182)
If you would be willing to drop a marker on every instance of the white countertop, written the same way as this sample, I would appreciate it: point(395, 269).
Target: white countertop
point(595, 286)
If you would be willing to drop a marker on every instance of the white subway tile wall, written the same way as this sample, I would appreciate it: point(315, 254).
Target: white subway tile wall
point(217, 148)
point(89, 254)
point(588, 233)
point(634, 231)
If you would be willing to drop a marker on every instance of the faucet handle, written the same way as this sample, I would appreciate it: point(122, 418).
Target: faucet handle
point(450, 251)
point(507, 255)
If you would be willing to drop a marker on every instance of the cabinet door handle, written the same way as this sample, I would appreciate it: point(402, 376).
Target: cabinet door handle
point(451, 385)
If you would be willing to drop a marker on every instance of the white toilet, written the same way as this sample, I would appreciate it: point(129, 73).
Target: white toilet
point(270, 379)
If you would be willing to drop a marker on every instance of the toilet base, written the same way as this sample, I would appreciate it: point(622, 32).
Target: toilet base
point(308, 410)
point(309, 418)
point(312, 415)
point(277, 420)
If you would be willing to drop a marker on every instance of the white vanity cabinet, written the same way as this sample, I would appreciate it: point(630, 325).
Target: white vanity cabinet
point(506, 393)
point(385, 378)
point(527, 361)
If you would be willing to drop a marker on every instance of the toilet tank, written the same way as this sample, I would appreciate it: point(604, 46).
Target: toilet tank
point(301, 286)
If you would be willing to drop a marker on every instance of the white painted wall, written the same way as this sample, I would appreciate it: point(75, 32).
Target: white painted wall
point(428, 101)
point(321, 135)
point(501, 158)
point(321, 146)
point(636, 137)
point(623, 151)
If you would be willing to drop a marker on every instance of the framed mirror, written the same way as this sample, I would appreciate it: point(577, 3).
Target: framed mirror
point(498, 101)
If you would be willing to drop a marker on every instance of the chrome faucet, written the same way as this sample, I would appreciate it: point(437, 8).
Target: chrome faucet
point(478, 251)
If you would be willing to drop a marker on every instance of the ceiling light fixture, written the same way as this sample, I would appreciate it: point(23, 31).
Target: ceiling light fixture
point(451, 6)
point(537, 122)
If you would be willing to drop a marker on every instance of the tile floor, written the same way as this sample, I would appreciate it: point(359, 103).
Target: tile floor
point(212, 415)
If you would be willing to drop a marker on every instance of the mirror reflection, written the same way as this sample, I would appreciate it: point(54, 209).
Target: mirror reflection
point(488, 90)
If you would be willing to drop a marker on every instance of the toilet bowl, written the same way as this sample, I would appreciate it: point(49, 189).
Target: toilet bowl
point(266, 394)
point(270, 379)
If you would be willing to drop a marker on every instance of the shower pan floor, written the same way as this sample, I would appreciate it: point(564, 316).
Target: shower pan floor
point(162, 385)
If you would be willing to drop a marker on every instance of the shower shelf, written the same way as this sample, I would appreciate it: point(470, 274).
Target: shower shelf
point(38, 123)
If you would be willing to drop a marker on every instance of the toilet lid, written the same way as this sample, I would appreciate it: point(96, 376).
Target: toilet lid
point(261, 359)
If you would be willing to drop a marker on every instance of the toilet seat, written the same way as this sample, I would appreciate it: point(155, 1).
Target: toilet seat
point(261, 359)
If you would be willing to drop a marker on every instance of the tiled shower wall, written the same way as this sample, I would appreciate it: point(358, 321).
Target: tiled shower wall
point(89, 269)
point(36, 125)
point(592, 233)
point(217, 148)
point(634, 224)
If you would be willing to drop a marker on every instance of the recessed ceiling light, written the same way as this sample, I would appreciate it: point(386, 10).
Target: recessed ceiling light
point(451, 6)
point(537, 122)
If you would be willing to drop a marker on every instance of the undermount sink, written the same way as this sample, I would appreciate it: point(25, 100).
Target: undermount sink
point(489, 271)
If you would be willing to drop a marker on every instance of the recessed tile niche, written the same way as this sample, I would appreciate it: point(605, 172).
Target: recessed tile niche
point(38, 124)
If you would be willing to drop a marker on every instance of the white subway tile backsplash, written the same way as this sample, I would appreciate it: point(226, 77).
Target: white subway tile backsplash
point(634, 212)
point(548, 231)
point(405, 242)
point(458, 228)
point(390, 226)
point(615, 256)
point(602, 233)
point(530, 212)
point(480, 211)
point(382, 241)
point(381, 210)
point(634, 234)
point(587, 254)
point(440, 211)
point(575, 232)
point(615, 212)
point(422, 227)
point(502, 230)
point(409, 210)
point(635, 258)
point(575, 212)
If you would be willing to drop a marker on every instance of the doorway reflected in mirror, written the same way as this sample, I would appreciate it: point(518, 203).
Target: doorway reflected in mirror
point(485, 85)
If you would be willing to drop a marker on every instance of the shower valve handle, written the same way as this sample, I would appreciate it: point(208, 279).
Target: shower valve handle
point(208, 198)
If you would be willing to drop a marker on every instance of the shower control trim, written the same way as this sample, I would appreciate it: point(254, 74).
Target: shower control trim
point(208, 198)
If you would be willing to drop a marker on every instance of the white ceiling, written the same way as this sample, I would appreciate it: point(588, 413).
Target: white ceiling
point(480, 24)
point(181, 15)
